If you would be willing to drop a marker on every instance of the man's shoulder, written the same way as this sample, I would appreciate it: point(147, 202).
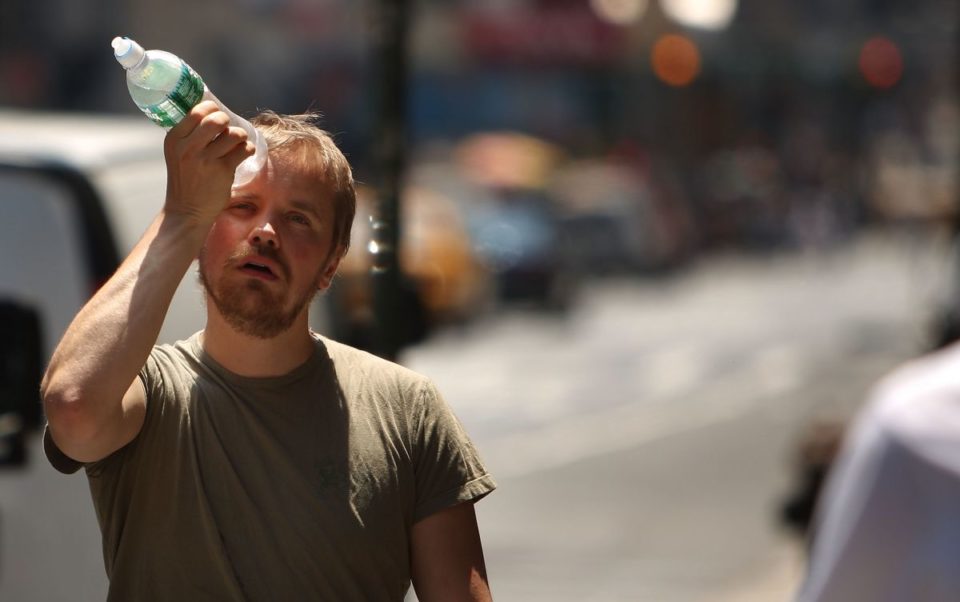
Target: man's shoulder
point(351, 360)
point(182, 351)
point(180, 361)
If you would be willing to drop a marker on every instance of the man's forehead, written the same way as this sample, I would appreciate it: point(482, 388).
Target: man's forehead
point(307, 179)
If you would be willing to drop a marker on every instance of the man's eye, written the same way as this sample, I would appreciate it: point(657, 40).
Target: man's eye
point(299, 219)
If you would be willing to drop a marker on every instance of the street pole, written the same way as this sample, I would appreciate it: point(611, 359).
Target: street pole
point(390, 40)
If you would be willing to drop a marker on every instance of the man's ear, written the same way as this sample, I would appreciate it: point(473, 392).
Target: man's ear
point(326, 276)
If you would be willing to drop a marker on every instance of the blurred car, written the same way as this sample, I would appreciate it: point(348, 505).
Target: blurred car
point(517, 234)
point(513, 219)
point(615, 221)
point(441, 280)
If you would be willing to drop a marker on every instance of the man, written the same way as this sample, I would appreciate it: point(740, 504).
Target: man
point(887, 526)
point(257, 460)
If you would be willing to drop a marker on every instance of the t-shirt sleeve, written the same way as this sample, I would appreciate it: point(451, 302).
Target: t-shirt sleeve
point(448, 468)
point(59, 460)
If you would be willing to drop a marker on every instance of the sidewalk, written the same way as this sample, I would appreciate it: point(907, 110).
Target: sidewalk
point(777, 582)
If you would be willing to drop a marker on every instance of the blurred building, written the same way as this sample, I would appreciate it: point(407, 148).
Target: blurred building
point(820, 88)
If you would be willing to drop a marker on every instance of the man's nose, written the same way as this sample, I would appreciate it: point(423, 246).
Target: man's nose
point(264, 234)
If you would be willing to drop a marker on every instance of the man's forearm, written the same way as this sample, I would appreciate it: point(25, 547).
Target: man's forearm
point(92, 403)
point(446, 557)
point(108, 342)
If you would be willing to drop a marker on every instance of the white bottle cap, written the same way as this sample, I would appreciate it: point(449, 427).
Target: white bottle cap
point(127, 52)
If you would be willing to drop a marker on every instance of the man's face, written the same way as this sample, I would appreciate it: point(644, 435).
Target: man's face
point(270, 250)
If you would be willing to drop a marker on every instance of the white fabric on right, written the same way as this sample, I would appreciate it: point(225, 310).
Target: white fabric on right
point(888, 523)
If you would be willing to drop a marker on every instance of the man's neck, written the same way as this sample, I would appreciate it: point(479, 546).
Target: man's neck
point(252, 356)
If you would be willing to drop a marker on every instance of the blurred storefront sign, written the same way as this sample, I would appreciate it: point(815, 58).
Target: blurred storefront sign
point(565, 35)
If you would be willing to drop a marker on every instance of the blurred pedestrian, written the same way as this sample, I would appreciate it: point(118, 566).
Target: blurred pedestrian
point(816, 451)
point(257, 460)
point(887, 527)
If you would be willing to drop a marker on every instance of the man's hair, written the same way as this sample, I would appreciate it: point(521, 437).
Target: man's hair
point(298, 138)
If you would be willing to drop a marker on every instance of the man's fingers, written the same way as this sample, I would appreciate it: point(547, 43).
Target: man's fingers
point(239, 153)
point(227, 141)
point(210, 128)
point(190, 122)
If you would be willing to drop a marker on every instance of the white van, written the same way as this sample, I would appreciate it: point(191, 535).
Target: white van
point(76, 193)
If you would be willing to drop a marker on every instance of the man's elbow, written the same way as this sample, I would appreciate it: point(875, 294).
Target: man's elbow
point(72, 422)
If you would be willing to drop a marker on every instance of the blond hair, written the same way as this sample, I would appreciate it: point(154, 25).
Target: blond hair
point(299, 138)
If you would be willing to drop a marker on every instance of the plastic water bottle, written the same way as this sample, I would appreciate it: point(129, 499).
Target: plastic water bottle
point(166, 88)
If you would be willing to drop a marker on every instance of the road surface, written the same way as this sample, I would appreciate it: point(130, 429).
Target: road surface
point(643, 444)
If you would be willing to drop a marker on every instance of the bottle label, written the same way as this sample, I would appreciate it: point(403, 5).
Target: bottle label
point(185, 95)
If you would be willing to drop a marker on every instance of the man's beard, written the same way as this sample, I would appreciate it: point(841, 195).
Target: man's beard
point(249, 306)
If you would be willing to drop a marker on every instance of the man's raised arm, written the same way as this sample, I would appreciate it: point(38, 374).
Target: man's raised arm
point(92, 397)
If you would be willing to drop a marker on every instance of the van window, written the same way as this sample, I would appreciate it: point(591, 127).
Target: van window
point(44, 263)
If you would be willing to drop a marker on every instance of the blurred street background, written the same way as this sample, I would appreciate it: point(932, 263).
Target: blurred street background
point(654, 252)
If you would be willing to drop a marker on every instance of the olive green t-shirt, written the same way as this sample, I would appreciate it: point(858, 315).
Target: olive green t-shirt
point(298, 487)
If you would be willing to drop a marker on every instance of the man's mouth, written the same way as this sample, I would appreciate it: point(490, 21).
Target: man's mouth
point(258, 270)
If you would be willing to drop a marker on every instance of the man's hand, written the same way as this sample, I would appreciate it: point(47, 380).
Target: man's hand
point(202, 152)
